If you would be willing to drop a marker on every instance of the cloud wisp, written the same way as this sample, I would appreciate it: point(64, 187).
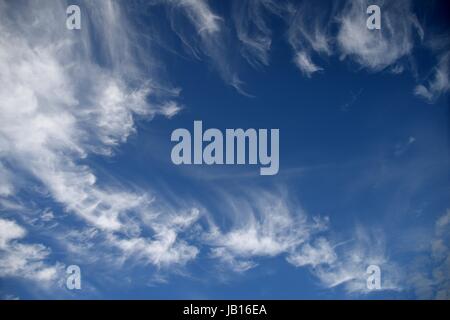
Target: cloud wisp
point(252, 29)
point(439, 83)
point(23, 260)
point(205, 35)
point(377, 50)
point(63, 101)
point(270, 224)
point(429, 275)
point(265, 226)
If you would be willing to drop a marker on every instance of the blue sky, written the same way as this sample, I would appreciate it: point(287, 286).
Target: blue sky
point(87, 178)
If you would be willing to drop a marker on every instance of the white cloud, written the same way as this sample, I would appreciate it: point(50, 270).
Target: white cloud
point(315, 31)
point(252, 29)
point(430, 278)
point(349, 270)
point(309, 27)
point(6, 187)
point(156, 237)
point(439, 84)
point(24, 260)
point(377, 49)
point(9, 230)
point(58, 106)
point(309, 32)
point(170, 109)
point(443, 223)
point(270, 224)
point(47, 215)
point(266, 226)
point(320, 252)
point(163, 249)
point(200, 14)
point(304, 63)
point(231, 261)
point(211, 38)
point(66, 95)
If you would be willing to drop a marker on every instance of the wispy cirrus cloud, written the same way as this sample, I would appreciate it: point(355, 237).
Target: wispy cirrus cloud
point(208, 36)
point(23, 260)
point(340, 29)
point(264, 224)
point(6, 186)
point(376, 50)
point(252, 28)
point(271, 224)
point(314, 254)
point(201, 15)
point(367, 248)
point(304, 63)
point(429, 275)
point(165, 248)
point(309, 32)
point(67, 95)
point(58, 107)
point(439, 83)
